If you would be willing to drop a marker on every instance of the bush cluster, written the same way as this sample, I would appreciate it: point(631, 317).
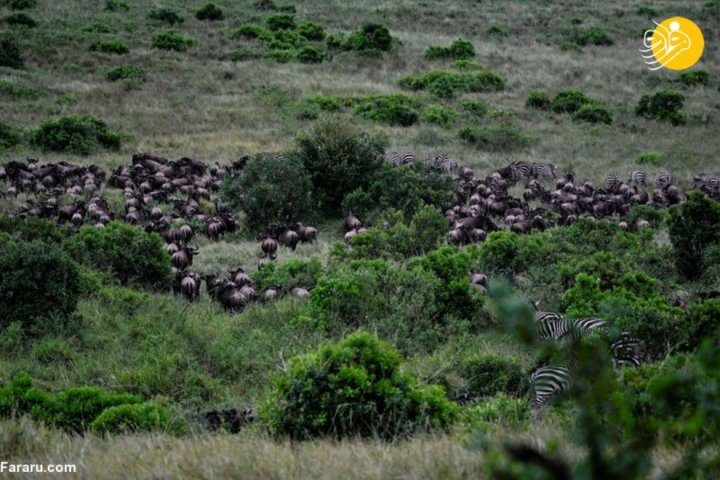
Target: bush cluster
point(165, 15)
point(447, 84)
point(20, 19)
point(116, 6)
point(354, 389)
point(460, 49)
point(593, 113)
point(126, 73)
point(21, 4)
point(10, 136)
point(173, 40)
point(210, 12)
point(665, 105)
point(504, 137)
point(288, 275)
point(592, 36)
point(538, 100)
point(270, 190)
point(392, 109)
point(110, 46)
point(439, 114)
point(695, 229)
point(74, 134)
point(694, 77)
point(10, 55)
point(488, 375)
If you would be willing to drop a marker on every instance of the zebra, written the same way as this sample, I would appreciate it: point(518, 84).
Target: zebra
point(397, 159)
point(612, 182)
point(553, 326)
point(521, 169)
point(664, 180)
point(637, 177)
point(627, 351)
point(707, 183)
point(442, 164)
point(543, 170)
point(547, 382)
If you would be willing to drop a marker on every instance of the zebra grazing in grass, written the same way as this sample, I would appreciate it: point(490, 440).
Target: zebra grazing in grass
point(543, 170)
point(612, 183)
point(442, 164)
point(637, 177)
point(396, 158)
point(709, 184)
point(627, 351)
point(521, 169)
point(553, 326)
point(547, 382)
point(663, 181)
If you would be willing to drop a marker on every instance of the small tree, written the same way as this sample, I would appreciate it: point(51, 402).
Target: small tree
point(694, 228)
point(270, 190)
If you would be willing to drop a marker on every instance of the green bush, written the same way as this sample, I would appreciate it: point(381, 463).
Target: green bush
point(10, 54)
point(116, 6)
point(460, 49)
point(592, 36)
point(646, 11)
point(126, 73)
point(504, 137)
point(280, 56)
point(270, 190)
point(281, 21)
point(12, 395)
point(165, 15)
point(291, 274)
point(241, 54)
point(19, 90)
point(32, 228)
point(310, 54)
point(501, 409)
point(10, 136)
point(53, 352)
point(509, 253)
point(40, 286)
point(488, 375)
point(569, 101)
point(694, 228)
point(538, 100)
point(650, 158)
point(370, 36)
point(21, 4)
point(80, 135)
point(695, 77)
point(606, 267)
point(393, 109)
point(570, 47)
point(475, 108)
point(434, 52)
point(446, 84)
point(173, 40)
point(251, 30)
point(96, 27)
point(496, 31)
point(354, 389)
point(439, 114)
point(665, 105)
point(311, 31)
point(340, 157)
point(134, 418)
point(20, 20)
point(110, 46)
point(132, 256)
point(466, 65)
point(593, 113)
point(704, 320)
point(210, 12)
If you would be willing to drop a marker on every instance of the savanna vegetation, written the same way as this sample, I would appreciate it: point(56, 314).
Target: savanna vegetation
point(374, 239)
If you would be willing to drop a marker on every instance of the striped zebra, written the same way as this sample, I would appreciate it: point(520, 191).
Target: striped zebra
point(553, 326)
point(637, 177)
point(547, 382)
point(521, 169)
point(627, 351)
point(442, 164)
point(664, 180)
point(707, 183)
point(396, 158)
point(543, 170)
point(612, 182)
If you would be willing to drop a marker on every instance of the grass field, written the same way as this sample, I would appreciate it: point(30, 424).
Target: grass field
point(192, 357)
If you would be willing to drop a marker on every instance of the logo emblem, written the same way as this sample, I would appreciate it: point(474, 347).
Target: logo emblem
point(676, 43)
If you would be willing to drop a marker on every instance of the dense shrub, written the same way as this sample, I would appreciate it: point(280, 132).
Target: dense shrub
point(251, 30)
point(340, 157)
point(110, 46)
point(310, 54)
point(210, 12)
point(21, 4)
point(446, 84)
point(693, 229)
point(12, 393)
point(116, 6)
point(280, 56)
point(460, 49)
point(126, 73)
point(19, 90)
point(21, 20)
point(270, 190)
point(538, 100)
point(165, 15)
point(281, 21)
point(665, 105)
point(133, 418)
point(704, 321)
point(439, 114)
point(695, 77)
point(509, 253)
point(393, 109)
point(488, 375)
point(569, 101)
point(132, 256)
point(311, 31)
point(606, 267)
point(370, 36)
point(593, 113)
point(81, 135)
point(646, 11)
point(474, 108)
point(354, 388)
point(466, 65)
point(40, 286)
point(496, 31)
point(10, 136)
point(504, 137)
point(10, 54)
point(502, 410)
point(32, 228)
point(434, 52)
point(173, 40)
point(291, 274)
point(241, 54)
point(650, 158)
point(592, 36)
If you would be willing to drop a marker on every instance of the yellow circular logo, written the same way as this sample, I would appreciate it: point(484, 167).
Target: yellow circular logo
point(676, 43)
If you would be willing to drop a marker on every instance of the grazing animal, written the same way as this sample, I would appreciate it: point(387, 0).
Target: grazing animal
point(547, 382)
point(637, 177)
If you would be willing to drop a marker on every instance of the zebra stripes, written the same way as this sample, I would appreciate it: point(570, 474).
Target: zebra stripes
point(612, 182)
point(396, 158)
point(709, 184)
point(442, 164)
point(664, 180)
point(627, 351)
point(553, 326)
point(543, 170)
point(637, 177)
point(534, 170)
point(547, 382)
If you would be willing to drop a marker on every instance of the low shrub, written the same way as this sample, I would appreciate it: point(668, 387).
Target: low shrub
point(650, 158)
point(288, 275)
point(280, 56)
point(54, 352)
point(570, 47)
point(251, 30)
point(74, 134)
point(135, 418)
point(592, 36)
point(354, 388)
point(10, 136)
point(110, 46)
point(474, 108)
point(496, 31)
point(241, 54)
point(509, 253)
point(664, 105)
point(487, 375)
point(165, 15)
point(40, 286)
point(694, 77)
point(173, 40)
point(116, 6)
point(446, 84)
point(502, 410)
point(311, 31)
point(369, 37)
point(569, 101)
point(210, 12)
point(434, 52)
point(593, 113)
point(126, 73)
point(504, 137)
point(270, 190)
point(646, 11)
point(460, 49)
point(21, 4)
point(310, 54)
point(439, 114)
point(12, 395)
point(132, 256)
point(466, 65)
point(538, 100)
point(693, 229)
point(32, 228)
point(281, 21)
point(96, 27)
point(704, 321)
point(10, 55)
point(18, 90)
point(20, 20)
